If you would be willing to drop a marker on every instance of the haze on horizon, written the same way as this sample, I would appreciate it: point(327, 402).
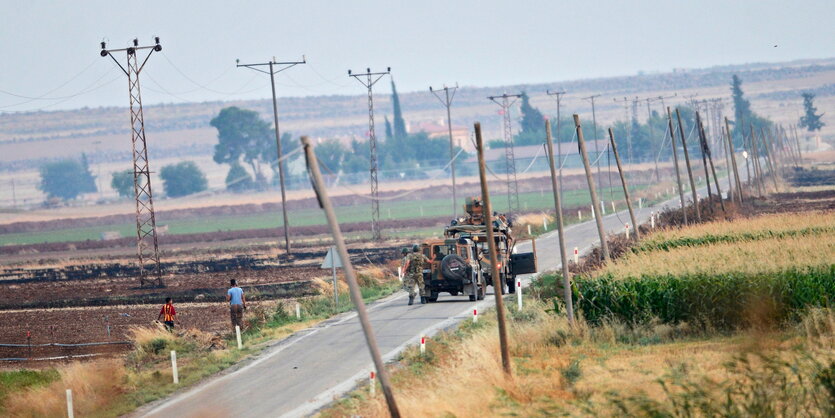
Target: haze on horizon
point(51, 61)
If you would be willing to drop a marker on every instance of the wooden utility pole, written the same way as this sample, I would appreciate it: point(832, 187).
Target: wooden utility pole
point(498, 285)
point(598, 218)
point(566, 279)
point(350, 277)
point(625, 188)
point(772, 163)
point(727, 151)
point(797, 142)
point(730, 140)
point(758, 173)
point(675, 163)
point(702, 141)
point(687, 163)
point(706, 150)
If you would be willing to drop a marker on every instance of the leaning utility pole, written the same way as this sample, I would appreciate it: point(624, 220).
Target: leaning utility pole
point(368, 82)
point(557, 94)
point(566, 279)
point(147, 247)
point(350, 276)
point(596, 144)
point(702, 144)
point(625, 187)
point(492, 251)
point(689, 170)
point(272, 64)
point(675, 163)
point(447, 102)
point(510, 159)
point(598, 212)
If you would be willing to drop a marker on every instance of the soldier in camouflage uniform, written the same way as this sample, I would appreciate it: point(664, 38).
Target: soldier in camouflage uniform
point(415, 264)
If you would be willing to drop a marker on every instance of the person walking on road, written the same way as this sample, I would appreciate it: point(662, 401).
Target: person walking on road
point(415, 263)
point(237, 303)
point(168, 314)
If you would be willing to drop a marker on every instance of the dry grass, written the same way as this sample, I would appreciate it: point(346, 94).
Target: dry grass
point(94, 385)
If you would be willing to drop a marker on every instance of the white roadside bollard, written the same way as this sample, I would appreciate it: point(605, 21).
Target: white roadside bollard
point(400, 274)
point(640, 203)
point(372, 388)
point(579, 215)
point(592, 212)
point(529, 229)
point(626, 229)
point(238, 335)
point(174, 372)
point(70, 412)
point(519, 294)
point(603, 207)
point(613, 207)
point(422, 346)
point(298, 311)
point(475, 315)
point(652, 220)
point(545, 224)
point(576, 255)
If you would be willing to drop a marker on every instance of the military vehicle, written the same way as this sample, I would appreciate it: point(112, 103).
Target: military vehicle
point(460, 263)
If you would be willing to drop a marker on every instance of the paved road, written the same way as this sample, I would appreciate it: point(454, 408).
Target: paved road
point(311, 368)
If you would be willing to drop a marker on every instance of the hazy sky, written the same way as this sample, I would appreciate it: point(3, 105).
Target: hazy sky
point(50, 49)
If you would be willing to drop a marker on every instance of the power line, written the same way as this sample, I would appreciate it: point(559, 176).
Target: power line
point(370, 80)
point(557, 95)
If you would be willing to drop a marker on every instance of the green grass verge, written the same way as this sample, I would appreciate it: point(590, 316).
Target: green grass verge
point(13, 381)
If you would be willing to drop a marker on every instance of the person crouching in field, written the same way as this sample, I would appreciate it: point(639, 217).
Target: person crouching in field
point(237, 304)
point(168, 314)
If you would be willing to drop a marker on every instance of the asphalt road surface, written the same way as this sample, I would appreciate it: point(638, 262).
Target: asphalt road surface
point(313, 367)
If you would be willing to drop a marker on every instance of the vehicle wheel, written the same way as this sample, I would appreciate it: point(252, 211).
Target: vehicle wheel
point(454, 293)
point(433, 297)
point(511, 286)
point(472, 298)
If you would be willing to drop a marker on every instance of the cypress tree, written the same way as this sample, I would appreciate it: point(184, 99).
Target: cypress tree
point(399, 123)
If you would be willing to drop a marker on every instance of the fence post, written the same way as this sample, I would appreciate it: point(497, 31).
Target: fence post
point(238, 336)
point(174, 372)
point(70, 413)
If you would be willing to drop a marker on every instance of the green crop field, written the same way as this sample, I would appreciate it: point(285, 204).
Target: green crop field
point(427, 208)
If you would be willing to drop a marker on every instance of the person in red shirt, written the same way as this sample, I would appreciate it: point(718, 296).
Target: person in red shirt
point(168, 314)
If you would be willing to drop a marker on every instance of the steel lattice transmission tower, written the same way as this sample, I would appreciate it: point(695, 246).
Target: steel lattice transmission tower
point(510, 159)
point(146, 225)
point(368, 80)
point(275, 68)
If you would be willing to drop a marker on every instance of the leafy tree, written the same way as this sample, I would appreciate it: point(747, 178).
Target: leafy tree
point(811, 120)
point(389, 134)
point(65, 179)
point(243, 135)
point(744, 117)
point(122, 182)
point(330, 152)
point(399, 123)
point(238, 180)
point(182, 179)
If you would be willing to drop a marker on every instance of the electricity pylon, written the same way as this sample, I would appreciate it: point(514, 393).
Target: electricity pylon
point(510, 160)
point(370, 80)
point(147, 246)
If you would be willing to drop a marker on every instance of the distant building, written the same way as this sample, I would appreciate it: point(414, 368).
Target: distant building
point(438, 129)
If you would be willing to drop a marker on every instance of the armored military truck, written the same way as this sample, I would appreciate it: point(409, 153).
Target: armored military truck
point(460, 263)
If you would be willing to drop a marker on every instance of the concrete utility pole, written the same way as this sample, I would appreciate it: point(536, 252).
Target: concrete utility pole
point(625, 187)
point(350, 276)
point(368, 82)
point(758, 172)
point(628, 121)
point(509, 157)
point(675, 163)
point(147, 246)
point(491, 245)
point(275, 68)
point(706, 151)
point(555, 186)
point(737, 181)
point(557, 95)
point(689, 170)
point(596, 142)
point(598, 217)
point(772, 165)
point(447, 102)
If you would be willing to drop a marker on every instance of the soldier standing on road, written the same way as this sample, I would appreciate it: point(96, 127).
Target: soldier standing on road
point(237, 303)
point(415, 264)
